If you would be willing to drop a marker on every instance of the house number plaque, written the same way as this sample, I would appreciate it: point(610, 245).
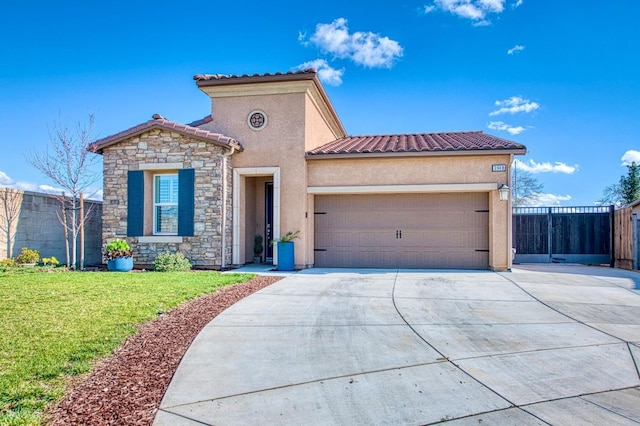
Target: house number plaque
point(499, 168)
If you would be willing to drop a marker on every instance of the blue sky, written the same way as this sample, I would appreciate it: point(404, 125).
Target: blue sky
point(561, 77)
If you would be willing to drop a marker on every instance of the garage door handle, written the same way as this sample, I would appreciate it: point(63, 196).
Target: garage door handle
point(398, 234)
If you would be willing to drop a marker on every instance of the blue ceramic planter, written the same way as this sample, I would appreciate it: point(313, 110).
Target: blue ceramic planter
point(120, 264)
point(285, 256)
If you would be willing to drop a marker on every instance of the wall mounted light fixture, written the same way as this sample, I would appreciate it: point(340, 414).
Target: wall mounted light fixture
point(504, 192)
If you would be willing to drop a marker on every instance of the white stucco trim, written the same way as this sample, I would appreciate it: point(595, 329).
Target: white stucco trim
point(238, 174)
point(160, 239)
point(160, 166)
point(389, 189)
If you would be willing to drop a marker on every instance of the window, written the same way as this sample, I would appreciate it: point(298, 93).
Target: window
point(160, 202)
point(165, 205)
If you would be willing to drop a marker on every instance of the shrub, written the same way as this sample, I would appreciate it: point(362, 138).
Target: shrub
point(117, 248)
point(171, 262)
point(28, 256)
point(289, 236)
point(8, 263)
point(50, 261)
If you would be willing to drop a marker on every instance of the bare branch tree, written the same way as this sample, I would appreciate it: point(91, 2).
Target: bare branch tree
point(10, 206)
point(526, 188)
point(69, 164)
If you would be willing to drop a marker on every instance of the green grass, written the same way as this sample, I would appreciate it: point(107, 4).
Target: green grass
point(54, 325)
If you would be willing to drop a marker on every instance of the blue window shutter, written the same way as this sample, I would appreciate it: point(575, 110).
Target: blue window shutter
point(186, 183)
point(135, 203)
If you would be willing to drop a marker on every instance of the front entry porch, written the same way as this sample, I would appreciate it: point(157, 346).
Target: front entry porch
point(256, 211)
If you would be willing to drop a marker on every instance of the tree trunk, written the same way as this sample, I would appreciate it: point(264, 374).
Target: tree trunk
point(66, 229)
point(74, 234)
point(9, 240)
point(81, 231)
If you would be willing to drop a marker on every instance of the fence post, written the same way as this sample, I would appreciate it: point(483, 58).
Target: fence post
point(550, 234)
point(635, 244)
point(612, 219)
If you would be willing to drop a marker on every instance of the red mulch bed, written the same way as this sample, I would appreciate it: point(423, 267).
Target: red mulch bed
point(127, 387)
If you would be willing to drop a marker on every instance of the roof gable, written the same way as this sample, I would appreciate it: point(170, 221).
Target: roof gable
point(159, 122)
point(427, 143)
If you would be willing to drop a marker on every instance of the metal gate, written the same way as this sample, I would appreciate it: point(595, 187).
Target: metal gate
point(563, 234)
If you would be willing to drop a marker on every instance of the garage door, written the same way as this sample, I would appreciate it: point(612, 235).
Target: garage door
point(402, 231)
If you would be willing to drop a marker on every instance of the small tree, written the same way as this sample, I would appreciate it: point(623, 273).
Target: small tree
point(10, 206)
point(526, 188)
point(630, 184)
point(69, 164)
point(626, 191)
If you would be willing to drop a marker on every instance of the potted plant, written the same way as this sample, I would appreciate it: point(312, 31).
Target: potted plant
point(285, 251)
point(28, 257)
point(119, 255)
point(257, 249)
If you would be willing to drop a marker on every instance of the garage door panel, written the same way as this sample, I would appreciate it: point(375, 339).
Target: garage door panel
point(402, 230)
point(362, 240)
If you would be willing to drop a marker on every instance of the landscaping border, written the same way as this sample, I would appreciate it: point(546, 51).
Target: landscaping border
point(127, 387)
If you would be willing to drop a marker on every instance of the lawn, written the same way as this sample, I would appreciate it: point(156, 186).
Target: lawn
point(54, 325)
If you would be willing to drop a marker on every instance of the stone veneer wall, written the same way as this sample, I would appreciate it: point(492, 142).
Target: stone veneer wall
point(160, 146)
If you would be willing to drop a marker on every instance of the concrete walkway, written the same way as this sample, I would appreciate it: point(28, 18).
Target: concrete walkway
point(541, 345)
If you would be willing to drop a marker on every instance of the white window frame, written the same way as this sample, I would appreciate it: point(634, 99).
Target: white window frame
point(155, 204)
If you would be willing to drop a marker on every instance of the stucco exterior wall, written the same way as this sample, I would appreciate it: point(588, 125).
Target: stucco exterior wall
point(158, 148)
point(426, 170)
point(280, 144)
point(317, 130)
point(407, 170)
point(298, 119)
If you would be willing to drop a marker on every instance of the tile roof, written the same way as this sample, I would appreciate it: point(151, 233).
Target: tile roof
point(198, 123)
point(308, 73)
point(159, 122)
point(454, 142)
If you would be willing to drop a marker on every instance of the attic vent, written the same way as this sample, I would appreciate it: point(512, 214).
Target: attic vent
point(257, 120)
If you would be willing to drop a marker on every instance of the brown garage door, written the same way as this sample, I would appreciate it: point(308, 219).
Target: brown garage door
point(402, 231)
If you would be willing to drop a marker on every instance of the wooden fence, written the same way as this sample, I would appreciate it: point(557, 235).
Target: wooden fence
point(626, 243)
point(563, 234)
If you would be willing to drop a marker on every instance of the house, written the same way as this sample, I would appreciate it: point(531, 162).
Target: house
point(274, 157)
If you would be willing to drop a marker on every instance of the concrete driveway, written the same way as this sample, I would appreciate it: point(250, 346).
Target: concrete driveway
point(540, 345)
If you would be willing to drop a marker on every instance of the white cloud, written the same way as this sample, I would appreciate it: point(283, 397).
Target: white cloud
point(495, 6)
point(482, 23)
point(25, 186)
point(302, 38)
point(514, 105)
point(96, 195)
point(5, 179)
point(50, 189)
point(549, 200)
point(363, 48)
point(518, 3)
point(326, 73)
point(630, 157)
point(557, 167)
point(500, 125)
point(515, 49)
point(475, 10)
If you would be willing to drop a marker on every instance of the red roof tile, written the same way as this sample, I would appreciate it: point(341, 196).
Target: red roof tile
point(417, 143)
point(159, 122)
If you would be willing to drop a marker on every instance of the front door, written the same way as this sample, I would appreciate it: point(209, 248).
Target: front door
point(268, 220)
